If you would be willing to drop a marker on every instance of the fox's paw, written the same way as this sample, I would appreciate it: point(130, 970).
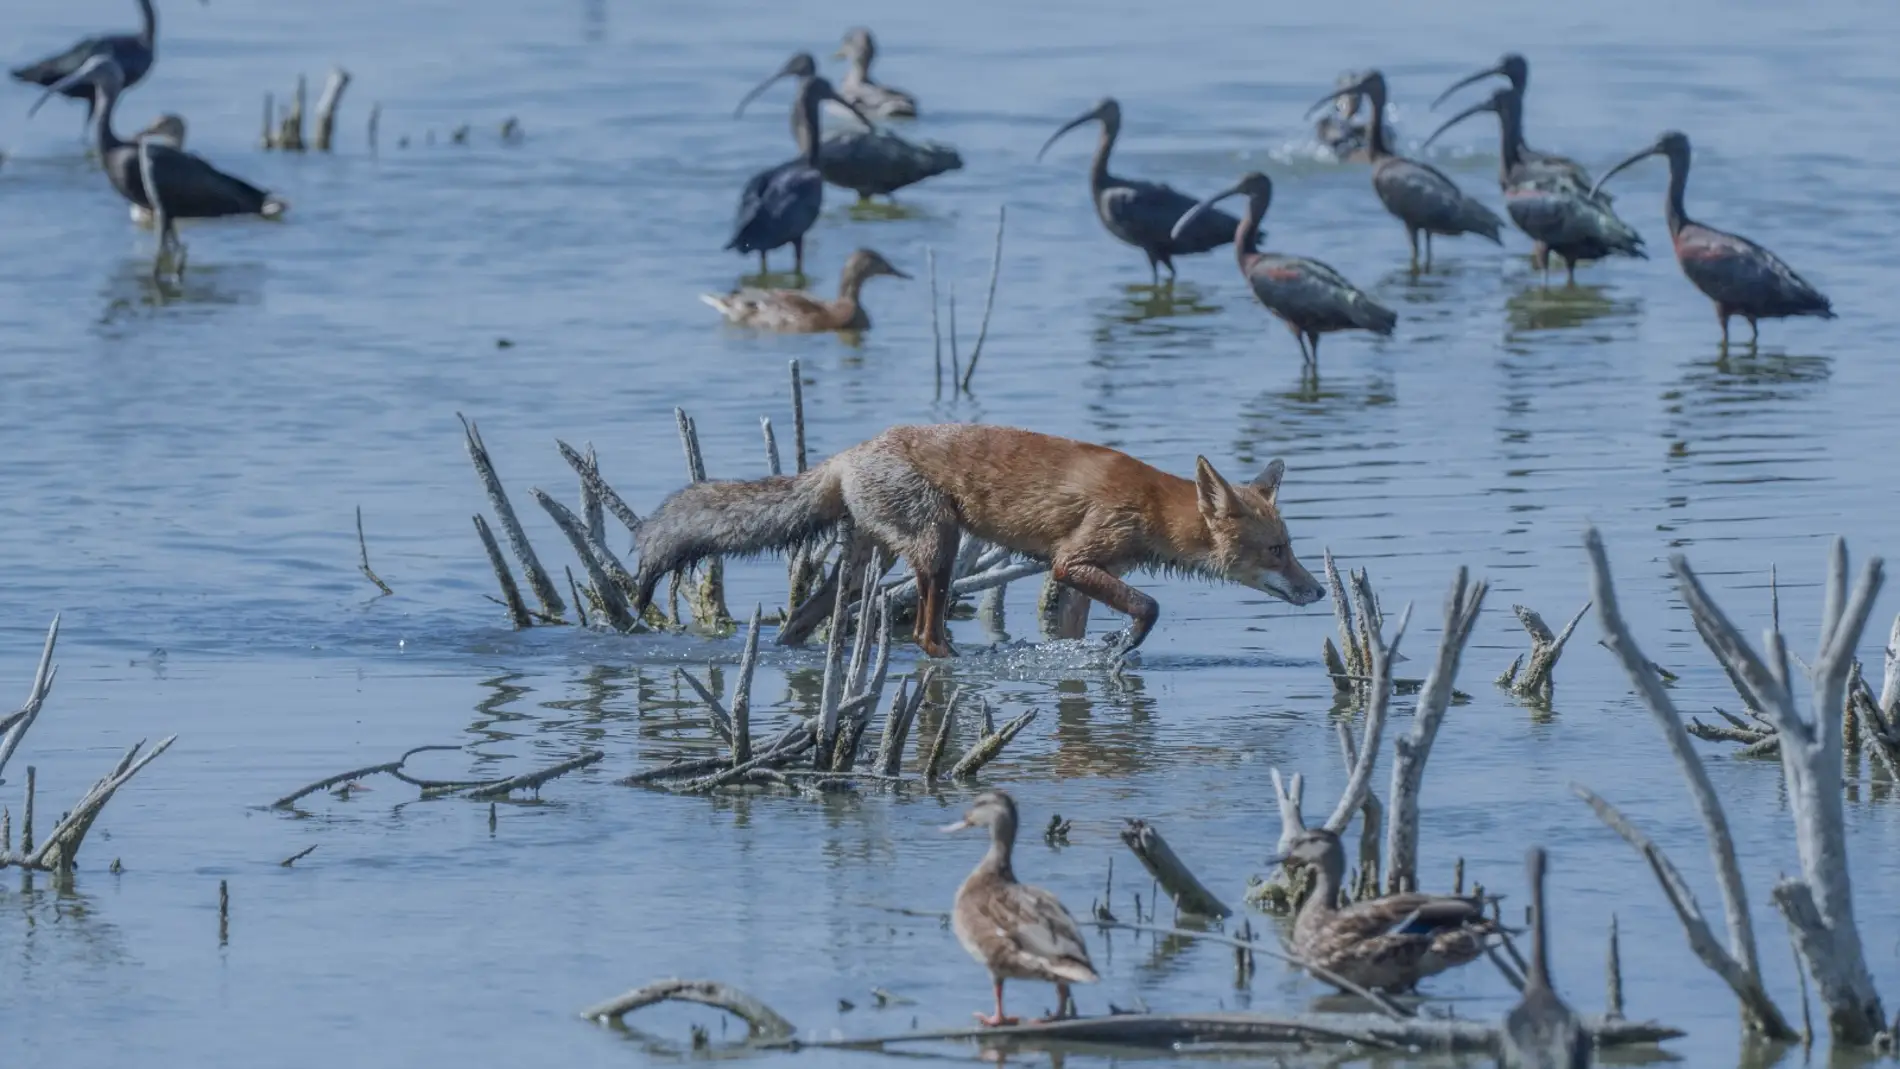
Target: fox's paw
point(1118, 646)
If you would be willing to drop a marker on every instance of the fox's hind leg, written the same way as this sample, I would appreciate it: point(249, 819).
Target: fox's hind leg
point(1096, 582)
point(934, 559)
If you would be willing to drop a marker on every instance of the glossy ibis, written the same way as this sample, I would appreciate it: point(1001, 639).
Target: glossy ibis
point(1140, 213)
point(797, 312)
point(1541, 1032)
point(133, 52)
point(169, 182)
point(1417, 193)
point(857, 87)
point(1337, 130)
point(167, 129)
point(867, 162)
point(1741, 277)
point(780, 203)
point(1514, 68)
point(1309, 297)
point(1546, 202)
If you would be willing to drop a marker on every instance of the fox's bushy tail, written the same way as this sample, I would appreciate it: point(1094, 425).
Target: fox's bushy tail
point(735, 518)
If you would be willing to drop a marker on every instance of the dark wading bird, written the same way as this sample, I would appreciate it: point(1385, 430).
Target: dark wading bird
point(1140, 213)
point(167, 129)
point(867, 162)
point(798, 312)
point(1418, 194)
point(1343, 137)
point(132, 51)
point(169, 182)
point(780, 203)
point(1541, 1032)
point(1514, 68)
point(858, 88)
point(1309, 297)
point(1565, 219)
point(1741, 277)
point(1016, 931)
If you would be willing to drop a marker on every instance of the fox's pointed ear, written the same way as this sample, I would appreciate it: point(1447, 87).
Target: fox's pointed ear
point(1211, 492)
point(1268, 481)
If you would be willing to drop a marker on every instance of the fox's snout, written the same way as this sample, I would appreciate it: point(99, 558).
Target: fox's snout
point(1294, 585)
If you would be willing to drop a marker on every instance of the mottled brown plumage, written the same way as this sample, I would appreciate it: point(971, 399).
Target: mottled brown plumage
point(1388, 944)
point(798, 312)
point(1016, 931)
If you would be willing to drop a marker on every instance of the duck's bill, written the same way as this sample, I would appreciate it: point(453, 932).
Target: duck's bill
point(958, 826)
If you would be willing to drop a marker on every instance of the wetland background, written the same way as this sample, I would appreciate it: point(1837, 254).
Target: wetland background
point(179, 466)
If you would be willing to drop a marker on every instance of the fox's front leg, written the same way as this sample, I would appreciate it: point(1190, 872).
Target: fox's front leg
point(1096, 582)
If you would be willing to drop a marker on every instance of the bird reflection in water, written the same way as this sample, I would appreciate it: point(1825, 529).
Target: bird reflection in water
point(132, 292)
point(1537, 308)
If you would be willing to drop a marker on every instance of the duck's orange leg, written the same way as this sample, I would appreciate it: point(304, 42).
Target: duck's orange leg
point(998, 1019)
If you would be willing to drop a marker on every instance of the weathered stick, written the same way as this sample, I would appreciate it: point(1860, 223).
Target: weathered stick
point(1820, 905)
point(609, 578)
point(1411, 751)
point(290, 132)
point(532, 781)
point(1759, 1011)
point(375, 120)
point(1739, 964)
point(1189, 894)
point(362, 548)
point(538, 580)
point(762, 1022)
point(353, 774)
point(708, 599)
point(936, 332)
point(517, 609)
point(15, 726)
point(588, 468)
point(985, 749)
point(333, 88)
point(1535, 681)
point(742, 691)
point(941, 744)
point(1383, 653)
point(269, 140)
point(989, 301)
point(1289, 1034)
point(62, 843)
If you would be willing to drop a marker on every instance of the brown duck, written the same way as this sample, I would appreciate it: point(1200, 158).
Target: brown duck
point(1389, 943)
point(798, 312)
point(1017, 931)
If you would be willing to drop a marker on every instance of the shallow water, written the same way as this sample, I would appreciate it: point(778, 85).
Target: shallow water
point(179, 466)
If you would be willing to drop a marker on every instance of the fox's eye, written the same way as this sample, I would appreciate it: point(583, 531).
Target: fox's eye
point(1276, 552)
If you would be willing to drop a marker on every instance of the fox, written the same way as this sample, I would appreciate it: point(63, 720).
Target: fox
point(1092, 513)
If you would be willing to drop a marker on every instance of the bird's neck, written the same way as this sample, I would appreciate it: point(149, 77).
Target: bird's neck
point(1247, 235)
point(805, 126)
point(149, 33)
point(1672, 201)
point(1002, 844)
point(1376, 148)
point(1098, 170)
point(1325, 897)
point(1510, 138)
point(103, 139)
